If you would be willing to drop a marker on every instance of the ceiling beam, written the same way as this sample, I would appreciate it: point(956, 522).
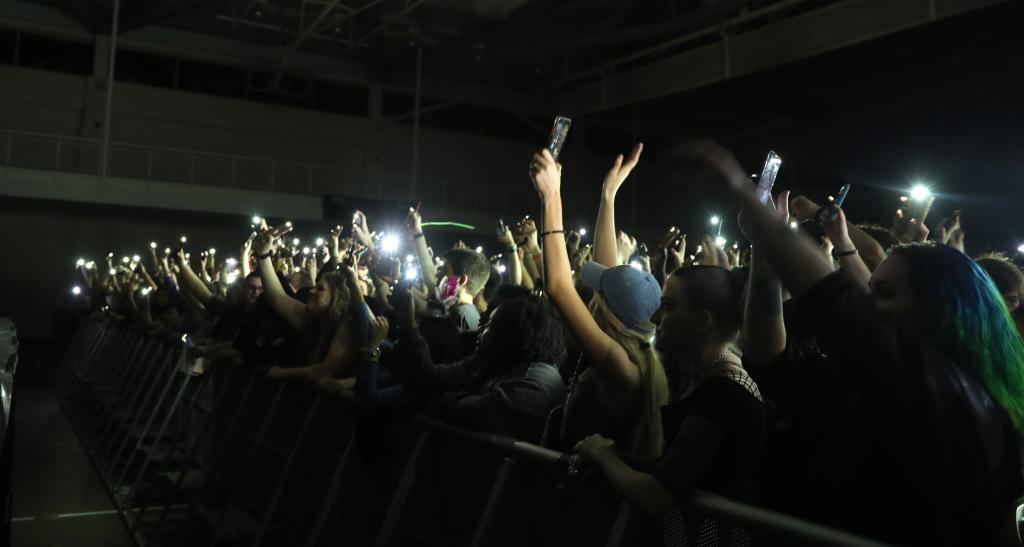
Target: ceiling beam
point(832, 27)
point(49, 21)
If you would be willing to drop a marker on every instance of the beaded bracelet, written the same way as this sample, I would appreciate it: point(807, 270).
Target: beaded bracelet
point(551, 232)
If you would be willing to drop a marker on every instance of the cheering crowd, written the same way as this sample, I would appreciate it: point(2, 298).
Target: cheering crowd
point(864, 377)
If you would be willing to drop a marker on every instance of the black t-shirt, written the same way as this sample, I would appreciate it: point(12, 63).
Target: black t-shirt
point(918, 452)
point(717, 431)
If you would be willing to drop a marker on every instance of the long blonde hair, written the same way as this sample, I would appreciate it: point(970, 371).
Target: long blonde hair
point(645, 435)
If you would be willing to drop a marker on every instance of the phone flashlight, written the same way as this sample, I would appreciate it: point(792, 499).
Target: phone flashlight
point(152, 245)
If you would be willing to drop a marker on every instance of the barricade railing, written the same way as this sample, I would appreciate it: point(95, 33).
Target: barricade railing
point(228, 457)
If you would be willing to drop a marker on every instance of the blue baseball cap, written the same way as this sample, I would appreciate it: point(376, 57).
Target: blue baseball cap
point(633, 295)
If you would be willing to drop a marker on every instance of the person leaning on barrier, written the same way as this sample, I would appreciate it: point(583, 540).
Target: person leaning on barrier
point(324, 321)
point(507, 386)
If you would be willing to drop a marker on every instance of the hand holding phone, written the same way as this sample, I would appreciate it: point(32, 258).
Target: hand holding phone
point(559, 131)
point(772, 163)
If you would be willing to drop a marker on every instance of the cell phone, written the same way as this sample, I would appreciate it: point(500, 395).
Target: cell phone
point(772, 163)
point(559, 131)
point(501, 228)
point(919, 208)
point(840, 198)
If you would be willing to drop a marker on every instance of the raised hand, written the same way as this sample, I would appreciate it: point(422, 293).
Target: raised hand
point(264, 243)
point(626, 246)
point(414, 221)
point(803, 208)
point(506, 238)
point(546, 174)
point(378, 330)
point(620, 170)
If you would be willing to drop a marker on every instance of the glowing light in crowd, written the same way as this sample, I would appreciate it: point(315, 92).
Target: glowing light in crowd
point(409, 258)
point(90, 264)
point(113, 271)
point(152, 245)
point(184, 338)
point(184, 240)
point(288, 224)
point(125, 259)
point(319, 241)
point(920, 192)
point(213, 251)
point(135, 258)
point(110, 255)
point(583, 231)
point(699, 247)
point(256, 220)
point(80, 262)
point(501, 268)
point(389, 243)
point(231, 262)
point(145, 291)
point(720, 241)
point(735, 245)
point(636, 265)
point(479, 249)
point(715, 220)
point(188, 256)
point(232, 277)
point(167, 250)
point(410, 274)
point(1021, 248)
point(76, 290)
point(305, 250)
point(295, 242)
point(793, 224)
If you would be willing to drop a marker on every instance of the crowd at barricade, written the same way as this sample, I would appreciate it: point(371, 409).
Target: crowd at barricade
point(866, 378)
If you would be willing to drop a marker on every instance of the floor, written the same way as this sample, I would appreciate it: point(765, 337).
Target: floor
point(58, 497)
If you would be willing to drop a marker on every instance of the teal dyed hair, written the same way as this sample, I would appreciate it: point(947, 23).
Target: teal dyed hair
point(970, 323)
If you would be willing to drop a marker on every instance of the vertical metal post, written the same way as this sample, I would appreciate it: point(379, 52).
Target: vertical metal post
point(105, 155)
point(480, 536)
point(416, 124)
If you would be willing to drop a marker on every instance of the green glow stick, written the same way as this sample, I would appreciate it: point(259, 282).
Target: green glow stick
point(456, 224)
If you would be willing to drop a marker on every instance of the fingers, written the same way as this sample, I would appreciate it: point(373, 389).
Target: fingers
point(634, 156)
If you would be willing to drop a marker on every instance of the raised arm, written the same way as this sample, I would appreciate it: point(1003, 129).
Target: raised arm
point(515, 264)
point(289, 308)
point(764, 328)
point(844, 249)
point(609, 359)
point(795, 258)
point(605, 250)
point(191, 280)
point(414, 225)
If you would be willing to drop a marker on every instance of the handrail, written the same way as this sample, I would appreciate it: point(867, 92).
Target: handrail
point(749, 517)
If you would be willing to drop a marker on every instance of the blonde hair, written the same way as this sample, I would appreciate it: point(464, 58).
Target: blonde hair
point(645, 435)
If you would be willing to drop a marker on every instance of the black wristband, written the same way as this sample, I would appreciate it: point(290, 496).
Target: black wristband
point(840, 254)
point(268, 255)
point(551, 232)
point(417, 235)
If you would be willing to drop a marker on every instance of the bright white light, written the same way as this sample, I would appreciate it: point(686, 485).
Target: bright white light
point(1021, 248)
point(110, 255)
point(389, 243)
point(410, 274)
point(295, 242)
point(184, 338)
point(256, 220)
point(80, 262)
point(231, 262)
point(636, 265)
point(76, 290)
point(720, 241)
point(501, 268)
point(135, 258)
point(583, 231)
point(715, 220)
point(231, 278)
point(188, 256)
point(152, 245)
point(409, 258)
point(735, 245)
point(184, 240)
point(145, 291)
point(920, 192)
point(479, 249)
point(794, 225)
point(288, 224)
point(167, 250)
point(213, 251)
point(305, 250)
point(699, 247)
point(90, 264)
point(319, 241)
point(113, 271)
point(125, 259)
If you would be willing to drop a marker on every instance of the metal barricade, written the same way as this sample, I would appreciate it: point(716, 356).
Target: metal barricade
point(231, 458)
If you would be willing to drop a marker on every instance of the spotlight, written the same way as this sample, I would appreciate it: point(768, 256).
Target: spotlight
point(256, 220)
point(389, 243)
point(715, 220)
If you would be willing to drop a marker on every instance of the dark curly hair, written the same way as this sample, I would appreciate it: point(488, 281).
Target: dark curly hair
point(525, 331)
